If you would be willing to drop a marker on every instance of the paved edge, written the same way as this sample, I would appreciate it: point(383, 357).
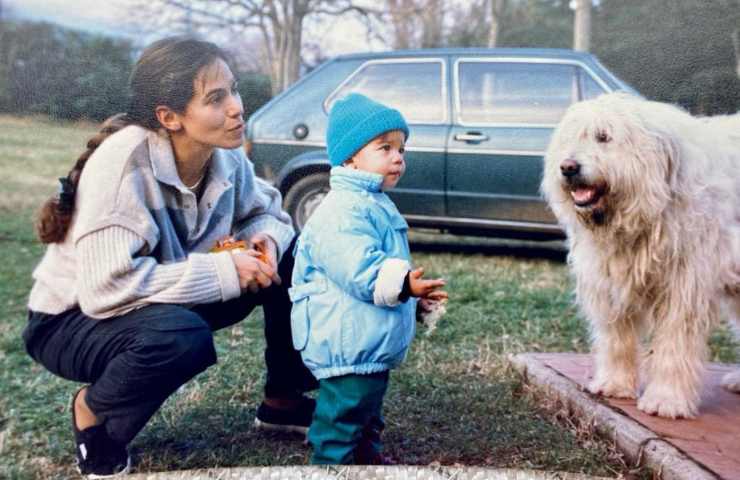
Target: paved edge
point(639, 444)
point(361, 473)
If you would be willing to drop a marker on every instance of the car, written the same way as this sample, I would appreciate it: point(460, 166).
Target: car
point(480, 121)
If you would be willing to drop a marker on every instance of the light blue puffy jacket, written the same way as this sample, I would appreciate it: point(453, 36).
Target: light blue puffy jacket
point(336, 325)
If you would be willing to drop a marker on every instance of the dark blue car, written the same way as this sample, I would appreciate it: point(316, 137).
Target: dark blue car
point(480, 122)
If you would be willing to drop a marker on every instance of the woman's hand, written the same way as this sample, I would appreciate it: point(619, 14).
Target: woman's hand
point(254, 273)
point(426, 288)
point(267, 248)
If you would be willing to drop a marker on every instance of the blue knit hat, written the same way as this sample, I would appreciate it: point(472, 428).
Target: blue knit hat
point(354, 121)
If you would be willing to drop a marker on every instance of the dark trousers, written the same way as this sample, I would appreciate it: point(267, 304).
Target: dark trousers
point(135, 361)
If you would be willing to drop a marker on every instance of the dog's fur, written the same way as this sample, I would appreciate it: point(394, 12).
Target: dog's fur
point(655, 242)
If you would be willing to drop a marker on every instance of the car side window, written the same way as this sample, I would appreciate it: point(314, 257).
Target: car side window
point(414, 88)
point(589, 88)
point(514, 93)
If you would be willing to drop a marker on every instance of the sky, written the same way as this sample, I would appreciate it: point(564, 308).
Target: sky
point(90, 15)
point(105, 17)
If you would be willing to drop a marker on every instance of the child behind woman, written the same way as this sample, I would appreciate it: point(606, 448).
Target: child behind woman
point(353, 315)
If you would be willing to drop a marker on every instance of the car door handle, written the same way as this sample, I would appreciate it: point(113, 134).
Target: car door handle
point(471, 137)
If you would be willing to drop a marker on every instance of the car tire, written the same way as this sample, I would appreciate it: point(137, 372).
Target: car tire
point(304, 196)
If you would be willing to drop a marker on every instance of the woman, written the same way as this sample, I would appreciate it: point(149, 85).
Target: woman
point(128, 292)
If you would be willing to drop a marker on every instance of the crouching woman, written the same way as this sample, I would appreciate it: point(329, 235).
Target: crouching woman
point(129, 290)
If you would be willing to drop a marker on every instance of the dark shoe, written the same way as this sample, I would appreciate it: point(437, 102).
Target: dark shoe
point(367, 451)
point(374, 458)
point(98, 456)
point(280, 420)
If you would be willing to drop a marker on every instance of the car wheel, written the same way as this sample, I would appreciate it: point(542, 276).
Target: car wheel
point(304, 196)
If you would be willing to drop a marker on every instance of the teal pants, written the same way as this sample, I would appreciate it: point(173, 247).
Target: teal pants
point(348, 421)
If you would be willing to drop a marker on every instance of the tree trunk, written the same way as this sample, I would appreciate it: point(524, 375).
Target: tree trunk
point(497, 11)
point(399, 13)
point(292, 57)
point(582, 26)
point(289, 36)
point(276, 38)
point(736, 44)
point(286, 19)
point(431, 17)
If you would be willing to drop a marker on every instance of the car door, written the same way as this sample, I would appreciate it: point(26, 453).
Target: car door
point(505, 110)
point(417, 87)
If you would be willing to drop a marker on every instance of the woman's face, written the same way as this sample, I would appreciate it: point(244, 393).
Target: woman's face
point(213, 117)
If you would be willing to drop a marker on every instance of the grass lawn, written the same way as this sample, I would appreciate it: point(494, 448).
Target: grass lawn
point(454, 401)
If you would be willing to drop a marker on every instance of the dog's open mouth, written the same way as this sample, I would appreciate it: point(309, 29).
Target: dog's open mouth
point(585, 196)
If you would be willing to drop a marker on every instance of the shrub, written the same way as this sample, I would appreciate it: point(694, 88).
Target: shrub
point(710, 92)
point(255, 91)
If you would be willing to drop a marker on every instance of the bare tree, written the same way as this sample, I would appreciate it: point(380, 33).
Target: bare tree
point(414, 23)
point(279, 23)
point(582, 25)
point(497, 13)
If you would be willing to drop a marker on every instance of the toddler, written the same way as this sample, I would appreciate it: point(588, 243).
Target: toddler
point(354, 292)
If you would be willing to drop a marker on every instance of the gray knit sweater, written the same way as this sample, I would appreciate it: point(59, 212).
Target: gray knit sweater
point(139, 236)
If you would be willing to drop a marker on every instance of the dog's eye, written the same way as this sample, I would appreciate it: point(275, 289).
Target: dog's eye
point(603, 137)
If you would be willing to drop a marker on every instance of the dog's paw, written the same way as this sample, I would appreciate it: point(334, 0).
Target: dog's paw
point(731, 381)
point(666, 402)
point(613, 388)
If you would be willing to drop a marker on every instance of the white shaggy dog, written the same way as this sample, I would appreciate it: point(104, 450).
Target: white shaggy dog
point(650, 200)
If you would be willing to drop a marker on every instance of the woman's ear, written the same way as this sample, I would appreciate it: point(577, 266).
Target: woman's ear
point(168, 118)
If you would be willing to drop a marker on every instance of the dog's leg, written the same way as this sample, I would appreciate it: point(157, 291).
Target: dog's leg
point(615, 356)
point(615, 342)
point(679, 349)
point(731, 381)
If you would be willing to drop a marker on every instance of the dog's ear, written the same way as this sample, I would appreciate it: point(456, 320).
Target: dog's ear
point(649, 136)
point(676, 130)
point(663, 128)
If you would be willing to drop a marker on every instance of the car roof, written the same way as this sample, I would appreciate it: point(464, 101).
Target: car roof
point(561, 53)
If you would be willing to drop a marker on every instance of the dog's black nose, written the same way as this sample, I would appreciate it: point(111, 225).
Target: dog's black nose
point(570, 167)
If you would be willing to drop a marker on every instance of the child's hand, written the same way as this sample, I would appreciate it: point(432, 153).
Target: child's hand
point(437, 296)
point(425, 288)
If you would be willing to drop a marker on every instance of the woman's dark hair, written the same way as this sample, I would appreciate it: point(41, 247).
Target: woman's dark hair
point(164, 75)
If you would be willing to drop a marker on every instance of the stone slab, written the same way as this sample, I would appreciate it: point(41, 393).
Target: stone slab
point(361, 473)
point(707, 447)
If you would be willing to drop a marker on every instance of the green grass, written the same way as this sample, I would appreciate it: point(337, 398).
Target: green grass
point(454, 401)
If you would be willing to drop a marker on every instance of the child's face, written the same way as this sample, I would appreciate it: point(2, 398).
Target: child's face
point(383, 155)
